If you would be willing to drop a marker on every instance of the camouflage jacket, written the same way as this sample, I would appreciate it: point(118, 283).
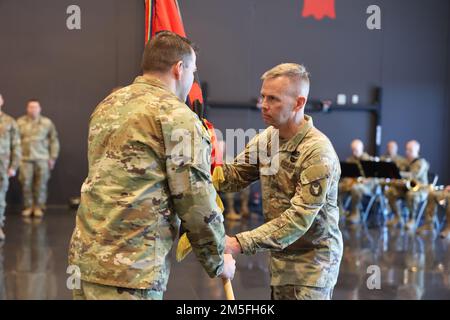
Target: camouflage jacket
point(299, 205)
point(367, 183)
point(39, 138)
point(399, 161)
point(10, 152)
point(364, 157)
point(139, 187)
point(417, 170)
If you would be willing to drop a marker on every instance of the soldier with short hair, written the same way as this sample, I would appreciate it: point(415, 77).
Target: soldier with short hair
point(299, 182)
point(392, 155)
point(416, 171)
point(10, 154)
point(40, 149)
point(357, 189)
point(142, 182)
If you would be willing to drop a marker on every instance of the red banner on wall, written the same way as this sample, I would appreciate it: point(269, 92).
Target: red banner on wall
point(319, 9)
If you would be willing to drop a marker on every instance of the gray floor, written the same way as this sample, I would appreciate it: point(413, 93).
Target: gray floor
point(33, 262)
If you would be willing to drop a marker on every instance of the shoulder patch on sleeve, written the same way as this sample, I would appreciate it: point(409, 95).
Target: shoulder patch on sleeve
point(314, 180)
point(314, 173)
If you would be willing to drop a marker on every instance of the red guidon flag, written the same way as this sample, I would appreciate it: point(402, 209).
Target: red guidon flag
point(163, 15)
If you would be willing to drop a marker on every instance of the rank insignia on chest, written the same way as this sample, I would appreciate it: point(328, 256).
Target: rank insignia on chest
point(288, 166)
point(294, 156)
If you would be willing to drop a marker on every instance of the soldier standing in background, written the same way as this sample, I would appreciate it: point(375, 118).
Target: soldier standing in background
point(40, 149)
point(244, 211)
point(9, 158)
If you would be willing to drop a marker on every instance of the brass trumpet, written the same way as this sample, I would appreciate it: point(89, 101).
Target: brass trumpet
point(415, 186)
point(412, 185)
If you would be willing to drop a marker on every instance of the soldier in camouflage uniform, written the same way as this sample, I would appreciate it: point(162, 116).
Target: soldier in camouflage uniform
point(9, 158)
point(141, 183)
point(391, 155)
point(416, 169)
point(436, 197)
point(357, 189)
point(299, 182)
point(40, 149)
point(244, 211)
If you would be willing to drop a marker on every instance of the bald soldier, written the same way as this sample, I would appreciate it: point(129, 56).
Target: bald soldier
point(142, 182)
point(436, 197)
point(357, 189)
point(392, 155)
point(40, 149)
point(299, 183)
point(10, 154)
point(416, 169)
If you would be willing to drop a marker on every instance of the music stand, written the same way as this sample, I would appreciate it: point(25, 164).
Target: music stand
point(349, 170)
point(380, 169)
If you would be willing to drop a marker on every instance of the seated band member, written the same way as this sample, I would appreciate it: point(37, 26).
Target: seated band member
point(392, 155)
point(434, 198)
point(416, 171)
point(355, 188)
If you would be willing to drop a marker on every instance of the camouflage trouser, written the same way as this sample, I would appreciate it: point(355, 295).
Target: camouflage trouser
point(4, 182)
point(357, 191)
point(412, 200)
point(433, 198)
point(94, 291)
point(292, 292)
point(34, 177)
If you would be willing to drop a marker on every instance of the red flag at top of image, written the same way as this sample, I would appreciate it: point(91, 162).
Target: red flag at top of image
point(319, 9)
point(165, 15)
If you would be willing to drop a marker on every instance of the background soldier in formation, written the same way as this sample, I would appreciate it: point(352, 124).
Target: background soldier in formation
point(244, 211)
point(40, 149)
point(9, 158)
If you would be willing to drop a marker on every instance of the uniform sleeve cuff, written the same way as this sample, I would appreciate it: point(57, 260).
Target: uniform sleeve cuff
point(218, 272)
point(246, 242)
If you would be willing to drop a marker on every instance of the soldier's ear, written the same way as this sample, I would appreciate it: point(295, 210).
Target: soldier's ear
point(300, 103)
point(177, 70)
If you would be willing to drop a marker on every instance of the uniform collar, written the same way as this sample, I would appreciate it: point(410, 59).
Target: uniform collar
point(38, 119)
point(154, 82)
point(293, 142)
